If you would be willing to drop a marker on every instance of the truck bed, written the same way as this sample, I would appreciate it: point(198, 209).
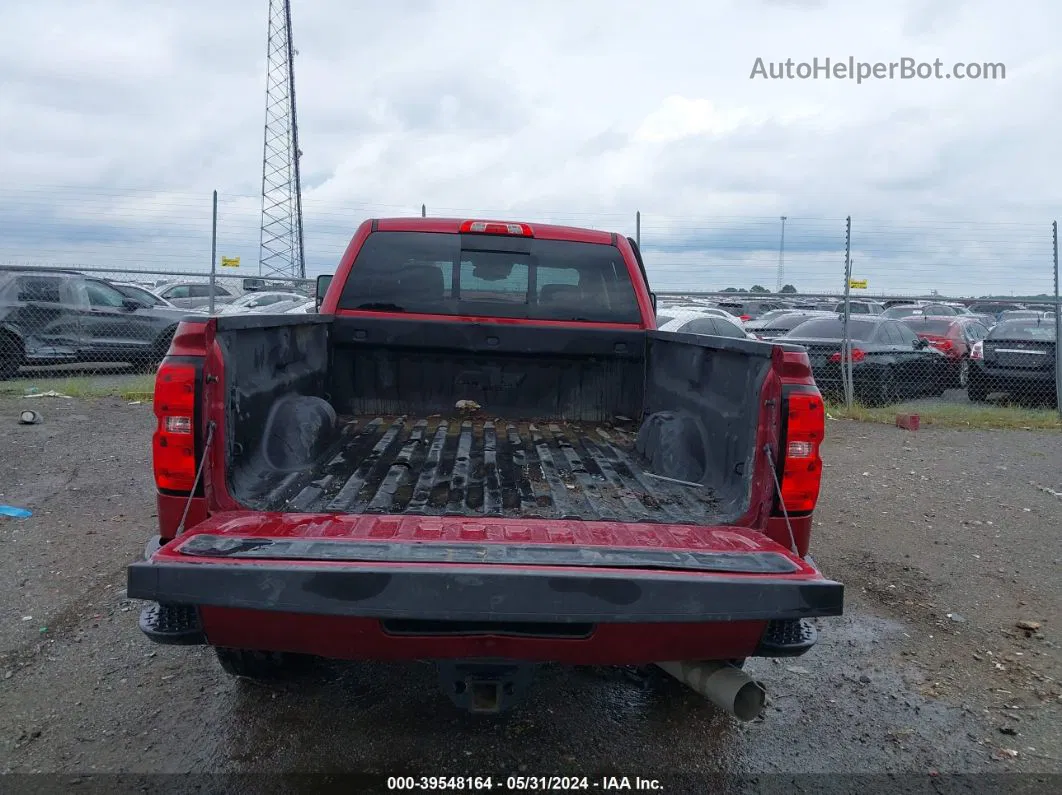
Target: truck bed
point(469, 466)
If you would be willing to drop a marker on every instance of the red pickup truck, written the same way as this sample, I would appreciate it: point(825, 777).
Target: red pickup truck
point(481, 453)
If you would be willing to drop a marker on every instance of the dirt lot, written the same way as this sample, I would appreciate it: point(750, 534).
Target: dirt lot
point(945, 540)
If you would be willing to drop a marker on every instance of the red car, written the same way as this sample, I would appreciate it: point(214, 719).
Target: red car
point(952, 336)
point(481, 453)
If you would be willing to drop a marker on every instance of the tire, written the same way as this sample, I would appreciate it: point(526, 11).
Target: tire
point(976, 391)
point(261, 664)
point(11, 356)
point(158, 351)
point(885, 392)
point(963, 376)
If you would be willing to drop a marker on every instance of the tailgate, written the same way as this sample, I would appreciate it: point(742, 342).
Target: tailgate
point(438, 569)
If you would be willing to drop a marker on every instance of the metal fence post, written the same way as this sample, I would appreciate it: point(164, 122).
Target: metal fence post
point(846, 344)
point(638, 229)
point(423, 211)
point(213, 251)
point(1058, 323)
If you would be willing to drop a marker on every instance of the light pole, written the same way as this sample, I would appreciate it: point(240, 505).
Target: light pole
point(781, 259)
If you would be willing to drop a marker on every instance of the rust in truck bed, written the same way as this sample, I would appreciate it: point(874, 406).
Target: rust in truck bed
point(440, 466)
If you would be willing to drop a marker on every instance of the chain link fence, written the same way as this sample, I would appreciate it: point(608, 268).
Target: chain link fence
point(903, 351)
point(64, 322)
point(949, 314)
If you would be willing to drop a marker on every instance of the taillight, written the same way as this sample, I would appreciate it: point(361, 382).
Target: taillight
point(745, 318)
point(174, 440)
point(857, 355)
point(940, 343)
point(496, 228)
point(802, 471)
point(978, 350)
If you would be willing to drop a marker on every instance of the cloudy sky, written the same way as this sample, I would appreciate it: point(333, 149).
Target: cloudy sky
point(119, 118)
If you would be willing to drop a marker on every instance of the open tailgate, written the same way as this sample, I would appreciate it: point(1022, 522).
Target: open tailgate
point(440, 568)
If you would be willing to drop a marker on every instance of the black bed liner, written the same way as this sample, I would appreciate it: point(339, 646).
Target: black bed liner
point(440, 466)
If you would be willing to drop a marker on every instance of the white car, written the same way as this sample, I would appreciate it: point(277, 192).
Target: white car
point(689, 309)
point(257, 302)
point(687, 321)
point(307, 308)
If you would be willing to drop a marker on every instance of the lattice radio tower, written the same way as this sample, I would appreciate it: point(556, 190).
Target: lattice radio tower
point(280, 244)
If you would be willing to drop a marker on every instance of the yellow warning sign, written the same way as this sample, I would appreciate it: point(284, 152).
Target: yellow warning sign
point(857, 284)
point(230, 262)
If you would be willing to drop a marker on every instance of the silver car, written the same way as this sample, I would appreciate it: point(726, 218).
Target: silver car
point(192, 295)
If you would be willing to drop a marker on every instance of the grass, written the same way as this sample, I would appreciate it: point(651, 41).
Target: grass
point(955, 415)
point(127, 387)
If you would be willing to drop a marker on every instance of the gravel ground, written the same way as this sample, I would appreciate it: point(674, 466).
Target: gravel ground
point(944, 539)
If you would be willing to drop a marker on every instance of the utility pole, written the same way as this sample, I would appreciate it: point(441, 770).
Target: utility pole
point(781, 259)
point(281, 249)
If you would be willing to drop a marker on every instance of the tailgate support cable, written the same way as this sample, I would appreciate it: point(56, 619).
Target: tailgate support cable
point(778, 489)
point(198, 474)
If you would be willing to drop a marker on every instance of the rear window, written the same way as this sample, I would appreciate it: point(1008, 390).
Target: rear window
point(831, 328)
point(712, 326)
point(40, 289)
point(903, 311)
point(1023, 330)
point(449, 274)
point(785, 322)
point(929, 326)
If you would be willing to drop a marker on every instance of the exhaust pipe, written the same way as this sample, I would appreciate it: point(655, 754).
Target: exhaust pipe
point(726, 686)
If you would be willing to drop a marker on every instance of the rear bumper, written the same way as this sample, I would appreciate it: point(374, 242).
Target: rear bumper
point(478, 594)
point(749, 586)
point(367, 600)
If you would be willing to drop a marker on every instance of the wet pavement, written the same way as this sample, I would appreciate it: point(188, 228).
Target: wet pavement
point(82, 692)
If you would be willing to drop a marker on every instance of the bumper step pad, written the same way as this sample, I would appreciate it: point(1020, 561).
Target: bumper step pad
point(789, 637)
point(172, 625)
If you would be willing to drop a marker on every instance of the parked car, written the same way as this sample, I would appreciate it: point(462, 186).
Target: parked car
point(993, 308)
point(860, 307)
point(1024, 314)
point(702, 323)
point(889, 361)
point(423, 473)
point(192, 295)
point(674, 311)
point(305, 308)
point(912, 310)
point(1017, 358)
point(253, 302)
point(63, 317)
point(953, 337)
point(142, 294)
point(277, 307)
point(750, 310)
point(780, 325)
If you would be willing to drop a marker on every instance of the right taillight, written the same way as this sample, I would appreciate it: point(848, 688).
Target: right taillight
point(174, 440)
point(978, 350)
point(802, 470)
point(855, 355)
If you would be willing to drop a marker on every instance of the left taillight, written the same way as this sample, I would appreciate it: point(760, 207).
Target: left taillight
point(174, 440)
point(802, 467)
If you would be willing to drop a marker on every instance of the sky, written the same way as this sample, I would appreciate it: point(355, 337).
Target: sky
point(118, 120)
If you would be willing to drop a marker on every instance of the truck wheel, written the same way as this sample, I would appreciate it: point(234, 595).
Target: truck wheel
point(11, 356)
point(261, 664)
